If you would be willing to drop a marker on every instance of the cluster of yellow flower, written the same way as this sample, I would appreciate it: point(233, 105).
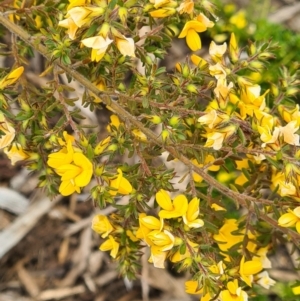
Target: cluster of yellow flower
point(80, 15)
point(14, 151)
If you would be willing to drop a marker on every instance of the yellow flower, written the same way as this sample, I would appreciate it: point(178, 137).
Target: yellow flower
point(110, 245)
point(161, 3)
point(148, 224)
point(208, 159)
point(10, 78)
point(158, 257)
point(191, 29)
point(222, 91)
point(291, 219)
point(74, 3)
point(139, 134)
point(187, 6)
point(199, 61)
point(217, 207)
point(233, 292)
point(224, 238)
point(99, 45)
point(215, 139)
point(248, 269)
point(264, 280)
point(239, 19)
point(76, 175)
point(162, 12)
point(190, 218)
point(15, 153)
point(288, 133)
point(285, 188)
point(289, 114)
point(70, 25)
point(296, 290)
point(173, 209)
point(261, 255)
point(218, 71)
point(120, 184)
point(192, 287)
point(7, 132)
point(83, 15)
point(102, 145)
point(162, 239)
point(115, 121)
point(217, 51)
point(101, 225)
point(125, 45)
point(64, 156)
point(212, 119)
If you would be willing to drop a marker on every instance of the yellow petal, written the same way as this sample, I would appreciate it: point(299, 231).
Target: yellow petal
point(67, 187)
point(126, 46)
point(68, 171)
point(124, 186)
point(163, 199)
point(193, 40)
point(287, 220)
point(11, 77)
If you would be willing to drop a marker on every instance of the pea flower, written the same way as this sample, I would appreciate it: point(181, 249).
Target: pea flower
point(162, 239)
point(74, 3)
point(110, 245)
point(101, 225)
point(15, 153)
point(215, 139)
point(171, 209)
point(288, 133)
point(217, 51)
point(248, 269)
point(71, 26)
point(233, 292)
point(158, 257)
point(120, 184)
point(75, 176)
point(218, 71)
point(125, 45)
point(187, 6)
point(102, 145)
point(74, 168)
point(11, 78)
point(225, 236)
point(291, 219)
point(213, 119)
point(192, 287)
point(208, 159)
point(99, 45)
point(147, 224)
point(64, 156)
point(264, 280)
point(162, 12)
point(7, 132)
point(190, 218)
point(192, 28)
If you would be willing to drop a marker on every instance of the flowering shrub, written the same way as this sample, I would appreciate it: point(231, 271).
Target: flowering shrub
point(238, 140)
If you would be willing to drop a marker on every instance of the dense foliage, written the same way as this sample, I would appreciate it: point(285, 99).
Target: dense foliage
point(237, 194)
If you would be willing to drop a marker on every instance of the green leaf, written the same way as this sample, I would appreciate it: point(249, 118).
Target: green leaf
point(273, 162)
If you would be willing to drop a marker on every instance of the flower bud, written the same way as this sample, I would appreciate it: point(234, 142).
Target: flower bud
point(155, 119)
point(192, 88)
point(173, 122)
point(165, 134)
point(123, 14)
